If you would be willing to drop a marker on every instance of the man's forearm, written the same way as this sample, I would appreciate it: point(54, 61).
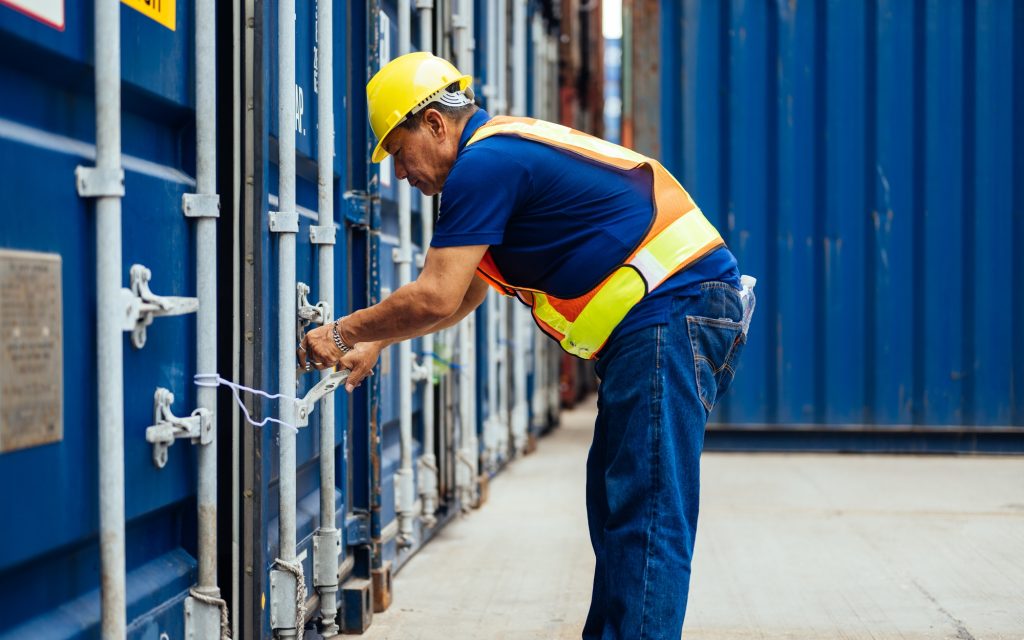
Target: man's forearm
point(401, 315)
point(356, 325)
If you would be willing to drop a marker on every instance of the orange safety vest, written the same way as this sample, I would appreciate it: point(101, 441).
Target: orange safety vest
point(678, 236)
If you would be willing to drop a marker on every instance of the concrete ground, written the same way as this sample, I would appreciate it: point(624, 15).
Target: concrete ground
point(789, 547)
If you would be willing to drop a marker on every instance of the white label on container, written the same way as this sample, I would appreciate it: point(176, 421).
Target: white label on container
point(50, 12)
point(31, 350)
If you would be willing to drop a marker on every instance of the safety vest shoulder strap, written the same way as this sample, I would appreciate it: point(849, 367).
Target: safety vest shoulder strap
point(562, 137)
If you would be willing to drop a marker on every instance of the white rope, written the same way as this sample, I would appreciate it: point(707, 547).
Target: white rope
point(300, 591)
point(214, 380)
point(225, 626)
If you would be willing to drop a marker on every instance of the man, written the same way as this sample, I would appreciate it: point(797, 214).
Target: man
point(618, 265)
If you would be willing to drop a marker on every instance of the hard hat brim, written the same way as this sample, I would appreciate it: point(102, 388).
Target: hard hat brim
point(379, 153)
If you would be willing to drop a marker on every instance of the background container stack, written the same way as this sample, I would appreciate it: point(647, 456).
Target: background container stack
point(865, 161)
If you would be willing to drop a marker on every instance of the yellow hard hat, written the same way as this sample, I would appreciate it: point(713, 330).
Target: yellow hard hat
point(403, 86)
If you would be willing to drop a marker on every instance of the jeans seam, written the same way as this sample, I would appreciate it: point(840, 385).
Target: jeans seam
point(655, 475)
point(690, 333)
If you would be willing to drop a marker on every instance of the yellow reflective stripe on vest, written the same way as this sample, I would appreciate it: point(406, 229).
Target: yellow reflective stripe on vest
point(675, 245)
point(543, 310)
point(603, 313)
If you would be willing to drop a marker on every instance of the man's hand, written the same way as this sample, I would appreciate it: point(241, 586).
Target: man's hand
point(318, 350)
point(360, 362)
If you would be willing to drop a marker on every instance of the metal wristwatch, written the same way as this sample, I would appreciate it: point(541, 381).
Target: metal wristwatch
point(338, 342)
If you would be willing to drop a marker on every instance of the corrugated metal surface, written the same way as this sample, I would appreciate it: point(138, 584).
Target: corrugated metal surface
point(49, 558)
point(865, 160)
point(260, 459)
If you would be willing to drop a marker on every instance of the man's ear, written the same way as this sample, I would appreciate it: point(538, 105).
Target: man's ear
point(435, 123)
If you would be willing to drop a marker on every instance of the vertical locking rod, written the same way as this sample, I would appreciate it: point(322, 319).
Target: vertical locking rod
point(428, 473)
point(467, 456)
point(206, 613)
point(206, 284)
point(283, 598)
point(406, 496)
point(109, 341)
point(327, 540)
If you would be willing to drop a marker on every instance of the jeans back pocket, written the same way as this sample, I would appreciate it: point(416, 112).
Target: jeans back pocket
point(717, 344)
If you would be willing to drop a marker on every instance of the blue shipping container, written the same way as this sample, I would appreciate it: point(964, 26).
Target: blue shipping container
point(54, 287)
point(864, 160)
point(49, 556)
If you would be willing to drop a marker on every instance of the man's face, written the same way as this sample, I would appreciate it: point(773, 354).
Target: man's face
point(424, 154)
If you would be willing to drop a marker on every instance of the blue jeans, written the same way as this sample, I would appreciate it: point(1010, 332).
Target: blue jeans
point(658, 386)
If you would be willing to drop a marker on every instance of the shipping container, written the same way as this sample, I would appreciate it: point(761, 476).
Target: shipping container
point(865, 161)
point(245, 216)
point(52, 242)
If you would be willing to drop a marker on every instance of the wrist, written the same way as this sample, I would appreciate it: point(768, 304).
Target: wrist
point(340, 342)
point(343, 331)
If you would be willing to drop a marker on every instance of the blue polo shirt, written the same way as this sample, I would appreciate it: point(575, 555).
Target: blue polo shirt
point(557, 222)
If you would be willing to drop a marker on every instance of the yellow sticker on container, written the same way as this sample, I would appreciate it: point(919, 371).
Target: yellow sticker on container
point(163, 11)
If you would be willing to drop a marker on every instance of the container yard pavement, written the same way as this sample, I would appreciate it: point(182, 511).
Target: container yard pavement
point(790, 546)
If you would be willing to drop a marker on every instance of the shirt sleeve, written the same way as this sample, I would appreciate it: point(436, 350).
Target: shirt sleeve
point(484, 189)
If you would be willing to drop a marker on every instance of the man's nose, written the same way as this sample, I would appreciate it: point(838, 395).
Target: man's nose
point(400, 171)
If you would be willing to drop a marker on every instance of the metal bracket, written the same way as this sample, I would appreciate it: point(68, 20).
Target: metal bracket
point(420, 369)
point(168, 427)
point(322, 234)
point(143, 305)
point(284, 222)
point(309, 313)
point(421, 259)
point(93, 182)
point(202, 620)
point(305, 405)
point(401, 257)
point(357, 207)
point(282, 599)
point(357, 529)
point(326, 551)
point(200, 205)
point(424, 4)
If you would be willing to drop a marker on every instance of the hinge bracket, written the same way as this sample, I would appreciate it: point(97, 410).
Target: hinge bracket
point(284, 222)
point(93, 182)
point(200, 205)
point(322, 234)
point(401, 256)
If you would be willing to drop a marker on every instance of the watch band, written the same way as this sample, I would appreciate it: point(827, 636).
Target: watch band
point(338, 342)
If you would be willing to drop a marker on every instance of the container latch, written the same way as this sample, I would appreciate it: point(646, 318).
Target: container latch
point(168, 427)
point(142, 305)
